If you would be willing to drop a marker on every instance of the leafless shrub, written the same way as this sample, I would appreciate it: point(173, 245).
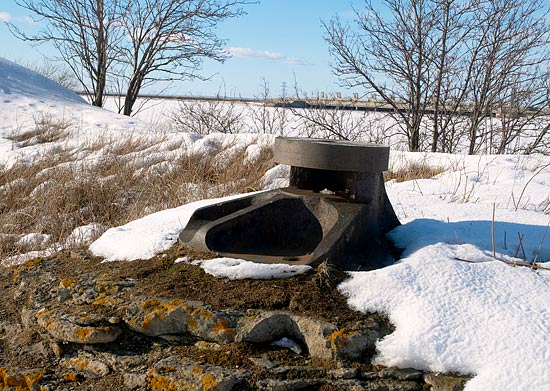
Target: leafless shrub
point(267, 117)
point(205, 117)
point(58, 73)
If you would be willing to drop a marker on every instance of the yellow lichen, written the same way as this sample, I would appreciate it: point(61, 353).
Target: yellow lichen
point(340, 338)
point(222, 327)
point(33, 378)
point(43, 314)
point(150, 303)
point(208, 382)
point(12, 380)
point(162, 383)
point(68, 282)
point(158, 310)
point(102, 299)
point(72, 377)
point(83, 333)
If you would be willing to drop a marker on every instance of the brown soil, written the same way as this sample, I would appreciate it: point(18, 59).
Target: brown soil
point(313, 294)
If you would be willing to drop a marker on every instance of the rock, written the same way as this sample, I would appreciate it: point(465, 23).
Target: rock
point(288, 385)
point(400, 373)
point(212, 325)
point(84, 329)
point(39, 349)
point(184, 374)
point(316, 335)
point(154, 317)
point(266, 326)
point(349, 345)
point(135, 380)
point(344, 373)
point(262, 362)
point(203, 345)
point(158, 317)
point(299, 372)
point(87, 365)
point(356, 385)
point(441, 382)
point(21, 380)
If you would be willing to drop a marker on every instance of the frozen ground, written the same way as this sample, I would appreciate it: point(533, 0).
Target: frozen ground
point(454, 306)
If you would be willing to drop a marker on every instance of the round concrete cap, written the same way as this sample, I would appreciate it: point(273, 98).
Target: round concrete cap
point(333, 155)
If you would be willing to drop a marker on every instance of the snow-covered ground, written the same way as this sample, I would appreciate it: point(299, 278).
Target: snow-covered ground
point(456, 307)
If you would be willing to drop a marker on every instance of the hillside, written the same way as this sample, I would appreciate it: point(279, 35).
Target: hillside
point(80, 186)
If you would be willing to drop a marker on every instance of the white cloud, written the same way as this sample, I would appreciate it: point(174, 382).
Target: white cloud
point(266, 55)
point(248, 52)
point(298, 61)
point(5, 16)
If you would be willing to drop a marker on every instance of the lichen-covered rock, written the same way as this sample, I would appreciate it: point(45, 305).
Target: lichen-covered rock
point(344, 373)
point(378, 385)
point(173, 374)
point(161, 317)
point(21, 380)
point(86, 364)
point(154, 317)
point(441, 382)
point(135, 380)
point(400, 373)
point(316, 335)
point(352, 343)
point(288, 385)
point(266, 326)
point(91, 291)
point(212, 325)
point(83, 329)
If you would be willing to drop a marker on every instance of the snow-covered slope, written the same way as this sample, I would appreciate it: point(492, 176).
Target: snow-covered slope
point(18, 83)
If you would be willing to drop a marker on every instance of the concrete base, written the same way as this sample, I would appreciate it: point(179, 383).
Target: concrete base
point(298, 226)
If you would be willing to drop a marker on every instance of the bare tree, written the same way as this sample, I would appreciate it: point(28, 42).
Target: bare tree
point(389, 56)
point(167, 40)
point(85, 33)
point(455, 62)
point(129, 43)
point(510, 52)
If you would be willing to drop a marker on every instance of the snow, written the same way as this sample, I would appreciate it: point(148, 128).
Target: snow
point(486, 319)
point(240, 269)
point(84, 235)
point(455, 305)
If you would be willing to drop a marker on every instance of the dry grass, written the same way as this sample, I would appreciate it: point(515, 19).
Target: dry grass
point(46, 130)
point(412, 171)
point(55, 194)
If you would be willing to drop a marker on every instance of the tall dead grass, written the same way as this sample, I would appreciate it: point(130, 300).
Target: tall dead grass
point(412, 171)
point(47, 129)
point(54, 194)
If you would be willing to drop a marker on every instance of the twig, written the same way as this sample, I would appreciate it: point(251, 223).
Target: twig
point(493, 231)
point(539, 249)
point(529, 181)
point(520, 246)
point(511, 263)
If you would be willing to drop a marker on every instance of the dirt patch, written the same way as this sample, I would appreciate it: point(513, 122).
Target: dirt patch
point(313, 294)
point(308, 294)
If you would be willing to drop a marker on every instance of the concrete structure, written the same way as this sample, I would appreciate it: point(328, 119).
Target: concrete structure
point(336, 209)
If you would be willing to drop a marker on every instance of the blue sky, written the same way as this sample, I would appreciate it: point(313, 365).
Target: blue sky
point(278, 40)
